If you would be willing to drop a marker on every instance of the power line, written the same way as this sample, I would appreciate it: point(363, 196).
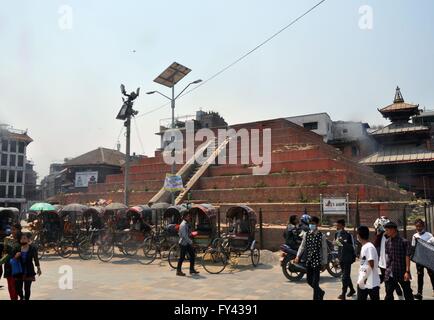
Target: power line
point(243, 56)
point(138, 135)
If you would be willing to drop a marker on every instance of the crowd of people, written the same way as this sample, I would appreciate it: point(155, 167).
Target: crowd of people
point(18, 259)
point(386, 260)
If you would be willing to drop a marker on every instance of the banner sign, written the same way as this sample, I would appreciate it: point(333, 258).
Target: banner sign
point(83, 179)
point(173, 183)
point(334, 206)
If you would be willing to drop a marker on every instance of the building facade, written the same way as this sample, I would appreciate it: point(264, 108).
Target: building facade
point(405, 153)
point(13, 147)
point(350, 137)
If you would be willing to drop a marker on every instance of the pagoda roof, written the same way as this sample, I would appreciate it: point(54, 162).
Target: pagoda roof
point(399, 106)
point(398, 128)
point(399, 154)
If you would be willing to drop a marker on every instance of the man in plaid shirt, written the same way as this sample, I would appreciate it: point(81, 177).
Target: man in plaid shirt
point(398, 252)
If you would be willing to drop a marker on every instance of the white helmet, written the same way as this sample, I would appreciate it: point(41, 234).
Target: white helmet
point(380, 223)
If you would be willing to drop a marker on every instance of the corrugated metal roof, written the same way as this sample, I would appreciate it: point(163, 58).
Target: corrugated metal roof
point(400, 128)
point(404, 154)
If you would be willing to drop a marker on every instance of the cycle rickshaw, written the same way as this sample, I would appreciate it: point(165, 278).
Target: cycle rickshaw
point(204, 229)
point(115, 231)
point(48, 232)
point(167, 219)
point(8, 217)
point(239, 241)
point(72, 228)
point(92, 223)
point(140, 227)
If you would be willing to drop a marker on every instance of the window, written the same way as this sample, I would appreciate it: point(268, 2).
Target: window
point(11, 192)
point(345, 131)
point(4, 159)
point(21, 147)
point(13, 146)
point(11, 176)
point(19, 177)
point(5, 145)
point(311, 125)
point(20, 161)
point(2, 191)
point(3, 175)
point(12, 160)
point(19, 192)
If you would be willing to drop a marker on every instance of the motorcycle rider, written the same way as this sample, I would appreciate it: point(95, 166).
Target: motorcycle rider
point(347, 256)
point(293, 233)
point(315, 244)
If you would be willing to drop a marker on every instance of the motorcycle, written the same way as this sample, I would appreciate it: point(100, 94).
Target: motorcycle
point(296, 272)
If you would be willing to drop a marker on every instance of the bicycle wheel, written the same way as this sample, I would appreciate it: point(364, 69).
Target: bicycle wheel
point(85, 249)
point(40, 247)
point(105, 251)
point(147, 252)
point(255, 255)
point(130, 246)
point(214, 261)
point(173, 256)
point(65, 248)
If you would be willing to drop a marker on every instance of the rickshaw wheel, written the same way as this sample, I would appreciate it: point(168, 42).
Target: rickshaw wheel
point(255, 255)
point(130, 247)
point(147, 252)
point(173, 257)
point(214, 261)
point(105, 252)
point(41, 249)
point(65, 249)
point(85, 250)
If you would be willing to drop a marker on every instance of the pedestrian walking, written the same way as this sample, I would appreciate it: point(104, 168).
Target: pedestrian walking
point(380, 245)
point(347, 256)
point(398, 251)
point(23, 263)
point(368, 283)
point(315, 244)
point(10, 245)
point(186, 246)
point(425, 236)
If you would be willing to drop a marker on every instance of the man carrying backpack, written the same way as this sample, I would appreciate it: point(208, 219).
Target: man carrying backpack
point(347, 256)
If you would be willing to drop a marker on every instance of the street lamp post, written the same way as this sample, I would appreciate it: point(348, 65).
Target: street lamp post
point(125, 114)
point(169, 78)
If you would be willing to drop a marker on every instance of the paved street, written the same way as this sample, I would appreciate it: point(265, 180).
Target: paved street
point(126, 279)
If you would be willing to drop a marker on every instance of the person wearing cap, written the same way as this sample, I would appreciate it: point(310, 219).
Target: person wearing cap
point(398, 252)
point(186, 245)
point(425, 236)
point(380, 245)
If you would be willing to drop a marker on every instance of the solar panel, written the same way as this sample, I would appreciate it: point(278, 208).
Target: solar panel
point(172, 75)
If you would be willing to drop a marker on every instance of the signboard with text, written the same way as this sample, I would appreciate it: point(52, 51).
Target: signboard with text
point(173, 183)
point(334, 206)
point(83, 179)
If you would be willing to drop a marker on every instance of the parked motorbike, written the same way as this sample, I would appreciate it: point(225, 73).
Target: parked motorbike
point(296, 272)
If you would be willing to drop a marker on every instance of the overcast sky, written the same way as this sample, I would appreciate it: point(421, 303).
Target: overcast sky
point(62, 83)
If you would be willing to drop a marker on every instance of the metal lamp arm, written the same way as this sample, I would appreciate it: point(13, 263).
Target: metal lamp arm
point(183, 90)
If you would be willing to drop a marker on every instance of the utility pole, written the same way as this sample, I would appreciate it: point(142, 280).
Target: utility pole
point(127, 162)
point(125, 114)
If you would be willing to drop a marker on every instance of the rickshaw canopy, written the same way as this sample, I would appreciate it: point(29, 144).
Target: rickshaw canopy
point(237, 212)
